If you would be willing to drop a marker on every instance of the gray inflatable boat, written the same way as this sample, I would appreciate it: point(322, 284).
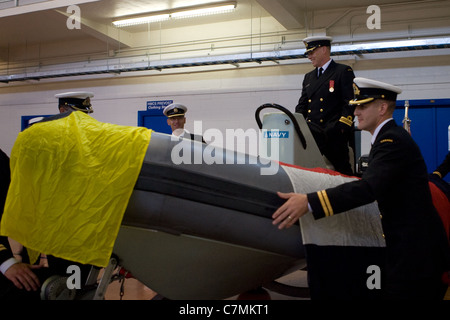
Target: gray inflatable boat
point(204, 231)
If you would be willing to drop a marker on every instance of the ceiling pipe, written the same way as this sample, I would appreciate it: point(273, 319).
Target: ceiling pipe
point(235, 60)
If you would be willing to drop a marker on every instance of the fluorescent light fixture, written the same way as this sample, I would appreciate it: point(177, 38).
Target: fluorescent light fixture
point(391, 46)
point(141, 20)
point(186, 12)
point(203, 11)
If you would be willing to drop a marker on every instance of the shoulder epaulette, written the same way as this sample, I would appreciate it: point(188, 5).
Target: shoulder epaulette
point(348, 121)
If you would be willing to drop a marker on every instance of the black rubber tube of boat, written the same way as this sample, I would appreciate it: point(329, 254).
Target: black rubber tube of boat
point(203, 188)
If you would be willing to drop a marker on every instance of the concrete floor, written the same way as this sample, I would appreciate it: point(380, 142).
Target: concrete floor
point(135, 290)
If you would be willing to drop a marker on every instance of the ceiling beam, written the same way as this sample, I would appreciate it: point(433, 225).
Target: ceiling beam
point(285, 12)
point(116, 38)
point(39, 6)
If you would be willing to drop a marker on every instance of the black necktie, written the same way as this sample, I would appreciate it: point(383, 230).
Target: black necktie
point(320, 72)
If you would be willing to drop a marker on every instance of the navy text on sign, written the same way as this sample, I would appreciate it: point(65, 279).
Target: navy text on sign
point(276, 134)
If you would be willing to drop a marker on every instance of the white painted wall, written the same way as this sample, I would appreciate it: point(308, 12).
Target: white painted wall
point(223, 99)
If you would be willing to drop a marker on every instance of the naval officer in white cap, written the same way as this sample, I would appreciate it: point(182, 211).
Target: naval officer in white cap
point(176, 119)
point(326, 91)
point(75, 101)
point(68, 102)
point(417, 251)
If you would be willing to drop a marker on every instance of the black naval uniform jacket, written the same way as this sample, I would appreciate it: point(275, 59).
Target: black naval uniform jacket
point(324, 100)
point(324, 104)
point(417, 250)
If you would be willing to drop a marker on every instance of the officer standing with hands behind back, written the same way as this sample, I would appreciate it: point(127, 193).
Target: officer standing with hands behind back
point(324, 103)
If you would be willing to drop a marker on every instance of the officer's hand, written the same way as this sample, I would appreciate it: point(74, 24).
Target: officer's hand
point(294, 208)
point(23, 277)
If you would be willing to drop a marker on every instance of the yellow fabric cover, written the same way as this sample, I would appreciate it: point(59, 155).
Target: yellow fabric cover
point(71, 180)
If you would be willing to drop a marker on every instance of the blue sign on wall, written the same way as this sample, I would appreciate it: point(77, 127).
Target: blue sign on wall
point(153, 118)
point(157, 107)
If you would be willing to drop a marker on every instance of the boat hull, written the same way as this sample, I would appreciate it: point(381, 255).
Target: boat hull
point(204, 231)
